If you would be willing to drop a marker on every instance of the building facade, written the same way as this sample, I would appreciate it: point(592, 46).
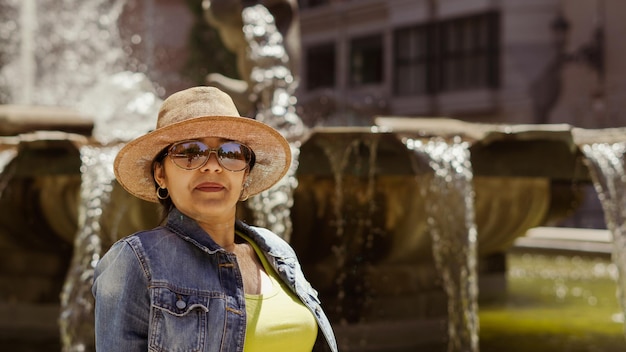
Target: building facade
point(496, 61)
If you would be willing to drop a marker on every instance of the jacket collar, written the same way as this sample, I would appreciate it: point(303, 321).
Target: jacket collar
point(189, 229)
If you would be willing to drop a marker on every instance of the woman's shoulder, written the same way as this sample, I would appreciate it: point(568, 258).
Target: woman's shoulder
point(143, 238)
point(135, 249)
point(145, 235)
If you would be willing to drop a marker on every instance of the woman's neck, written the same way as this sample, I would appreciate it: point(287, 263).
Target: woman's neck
point(223, 233)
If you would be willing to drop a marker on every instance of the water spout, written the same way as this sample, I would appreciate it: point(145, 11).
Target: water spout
point(452, 227)
point(606, 160)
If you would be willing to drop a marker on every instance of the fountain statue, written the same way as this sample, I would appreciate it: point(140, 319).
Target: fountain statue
point(396, 223)
point(282, 47)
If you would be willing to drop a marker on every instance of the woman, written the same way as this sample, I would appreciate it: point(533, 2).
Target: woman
point(204, 281)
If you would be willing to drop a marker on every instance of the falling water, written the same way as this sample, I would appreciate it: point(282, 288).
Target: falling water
point(97, 183)
point(355, 236)
point(607, 167)
point(272, 89)
point(450, 211)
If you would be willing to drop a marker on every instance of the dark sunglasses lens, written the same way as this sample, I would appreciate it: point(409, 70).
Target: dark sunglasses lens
point(189, 155)
point(234, 156)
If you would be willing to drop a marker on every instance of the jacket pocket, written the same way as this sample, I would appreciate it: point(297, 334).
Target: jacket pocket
point(178, 321)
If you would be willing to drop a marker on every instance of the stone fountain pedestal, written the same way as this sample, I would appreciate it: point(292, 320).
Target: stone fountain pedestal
point(387, 281)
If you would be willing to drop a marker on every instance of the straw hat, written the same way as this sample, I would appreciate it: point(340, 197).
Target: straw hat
point(196, 113)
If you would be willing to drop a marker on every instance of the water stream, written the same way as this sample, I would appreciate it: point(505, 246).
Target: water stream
point(350, 160)
point(450, 211)
point(273, 87)
point(606, 163)
point(76, 320)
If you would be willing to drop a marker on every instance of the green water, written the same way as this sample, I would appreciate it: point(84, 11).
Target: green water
point(555, 303)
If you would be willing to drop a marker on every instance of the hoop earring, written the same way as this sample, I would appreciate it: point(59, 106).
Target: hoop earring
point(160, 195)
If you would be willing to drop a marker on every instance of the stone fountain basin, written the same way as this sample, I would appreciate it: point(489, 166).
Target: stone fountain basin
point(23, 119)
point(546, 151)
point(523, 174)
point(523, 178)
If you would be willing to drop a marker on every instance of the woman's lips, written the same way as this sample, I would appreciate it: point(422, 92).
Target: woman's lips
point(210, 187)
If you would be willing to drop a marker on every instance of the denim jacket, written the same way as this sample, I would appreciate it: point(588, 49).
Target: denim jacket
point(174, 289)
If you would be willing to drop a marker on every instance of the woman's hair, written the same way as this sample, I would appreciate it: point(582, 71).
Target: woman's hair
point(166, 204)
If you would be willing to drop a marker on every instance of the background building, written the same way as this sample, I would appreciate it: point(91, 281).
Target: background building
point(498, 61)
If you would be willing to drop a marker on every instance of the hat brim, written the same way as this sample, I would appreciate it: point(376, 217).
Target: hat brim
point(133, 163)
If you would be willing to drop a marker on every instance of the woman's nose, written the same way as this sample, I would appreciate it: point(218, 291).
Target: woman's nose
point(212, 163)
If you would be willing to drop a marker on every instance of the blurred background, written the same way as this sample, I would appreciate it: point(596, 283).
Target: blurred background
point(543, 66)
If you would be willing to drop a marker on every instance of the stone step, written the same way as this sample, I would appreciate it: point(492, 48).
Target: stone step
point(566, 240)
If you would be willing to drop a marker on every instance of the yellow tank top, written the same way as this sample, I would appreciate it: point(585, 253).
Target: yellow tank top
point(277, 320)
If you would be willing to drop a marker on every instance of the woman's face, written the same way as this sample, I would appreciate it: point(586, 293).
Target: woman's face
point(209, 193)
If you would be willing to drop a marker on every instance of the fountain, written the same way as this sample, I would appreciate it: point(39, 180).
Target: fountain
point(396, 224)
point(424, 209)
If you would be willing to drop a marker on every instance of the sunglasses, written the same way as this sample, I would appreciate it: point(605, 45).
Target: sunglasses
point(191, 155)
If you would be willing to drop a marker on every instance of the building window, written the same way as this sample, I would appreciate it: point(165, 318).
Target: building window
point(469, 53)
point(303, 4)
point(451, 55)
point(366, 60)
point(320, 66)
point(412, 47)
